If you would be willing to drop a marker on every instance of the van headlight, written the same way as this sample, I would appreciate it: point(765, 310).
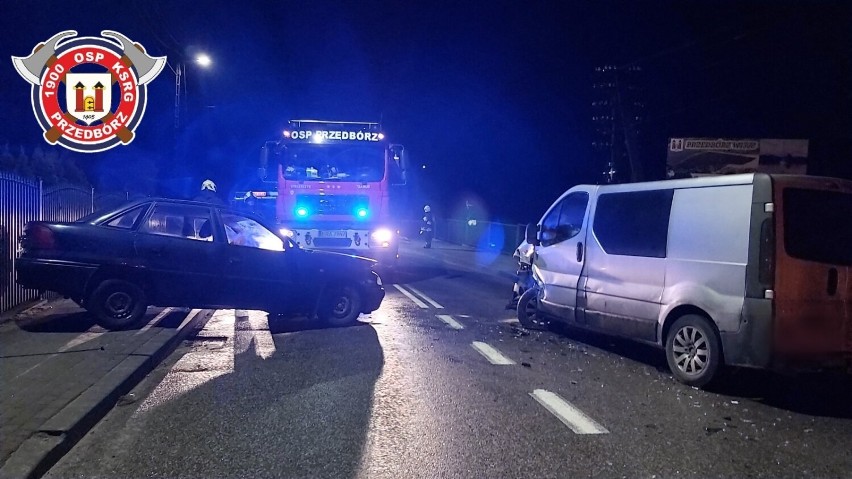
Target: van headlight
point(381, 236)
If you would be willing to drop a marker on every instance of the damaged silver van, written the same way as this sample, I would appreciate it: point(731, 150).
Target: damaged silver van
point(744, 270)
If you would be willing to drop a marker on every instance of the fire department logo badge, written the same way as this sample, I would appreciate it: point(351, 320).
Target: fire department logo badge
point(89, 93)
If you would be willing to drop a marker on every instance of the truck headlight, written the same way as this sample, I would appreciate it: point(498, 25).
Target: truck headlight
point(381, 236)
point(287, 232)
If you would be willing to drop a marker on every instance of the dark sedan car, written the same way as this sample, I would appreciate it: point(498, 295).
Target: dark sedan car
point(168, 252)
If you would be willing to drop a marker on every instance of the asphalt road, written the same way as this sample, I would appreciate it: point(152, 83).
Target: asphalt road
point(441, 382)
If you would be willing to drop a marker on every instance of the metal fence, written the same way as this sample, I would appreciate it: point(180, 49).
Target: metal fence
point(23, 200)
point(483, 235)
point(20, 202)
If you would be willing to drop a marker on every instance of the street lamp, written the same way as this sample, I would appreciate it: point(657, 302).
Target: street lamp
point(204, 61)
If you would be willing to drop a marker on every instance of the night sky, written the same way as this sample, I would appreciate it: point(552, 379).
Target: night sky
point(493, 97)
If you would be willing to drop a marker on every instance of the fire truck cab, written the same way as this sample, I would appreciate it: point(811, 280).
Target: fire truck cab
point(337, 187)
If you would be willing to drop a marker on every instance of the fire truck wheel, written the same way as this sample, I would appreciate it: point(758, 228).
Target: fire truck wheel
point(340, 306)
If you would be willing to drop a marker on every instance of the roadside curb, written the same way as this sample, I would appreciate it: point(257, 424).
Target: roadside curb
point(62, 431)
point(13, 312)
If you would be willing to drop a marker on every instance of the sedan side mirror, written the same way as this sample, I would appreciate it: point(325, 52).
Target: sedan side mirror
point(532, 234)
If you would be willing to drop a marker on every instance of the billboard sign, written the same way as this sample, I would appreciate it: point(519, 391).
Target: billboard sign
point(693, 157)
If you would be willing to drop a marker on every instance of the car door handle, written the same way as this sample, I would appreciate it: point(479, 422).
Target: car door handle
point(832, 282)
point(234, 260)
point(579, 251)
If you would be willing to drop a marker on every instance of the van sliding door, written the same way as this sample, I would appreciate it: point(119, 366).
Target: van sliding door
point(625, 270)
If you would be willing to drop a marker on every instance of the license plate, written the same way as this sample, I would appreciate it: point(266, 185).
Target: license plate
point(332, 234)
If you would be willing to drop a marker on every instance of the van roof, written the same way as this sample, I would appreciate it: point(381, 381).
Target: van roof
point(719, 180)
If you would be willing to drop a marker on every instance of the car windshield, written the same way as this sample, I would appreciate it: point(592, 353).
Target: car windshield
point(314, 162)
point(242, 231)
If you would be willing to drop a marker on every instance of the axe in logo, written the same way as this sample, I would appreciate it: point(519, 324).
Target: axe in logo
point(30, 67)
point(134, 55)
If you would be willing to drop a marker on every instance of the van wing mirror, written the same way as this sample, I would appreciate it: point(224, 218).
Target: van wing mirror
point(532, 234)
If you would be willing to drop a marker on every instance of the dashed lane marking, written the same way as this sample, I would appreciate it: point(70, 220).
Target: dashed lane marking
point(491, 354)
point(446, 318)
point(427, 298)
point(411, 297)
point(566, 412)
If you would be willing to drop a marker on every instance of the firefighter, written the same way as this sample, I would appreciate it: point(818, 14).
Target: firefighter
point(427, 229)
point(208, 193)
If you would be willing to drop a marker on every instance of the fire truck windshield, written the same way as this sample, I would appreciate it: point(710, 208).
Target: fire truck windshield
point(335, 162)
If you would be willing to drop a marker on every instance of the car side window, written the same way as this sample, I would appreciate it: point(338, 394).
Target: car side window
point(572, 214)
point(634, 223)
point(243, 231)
point(549, 224)
point(127, 219)
point(565, 220)
point(180, 221)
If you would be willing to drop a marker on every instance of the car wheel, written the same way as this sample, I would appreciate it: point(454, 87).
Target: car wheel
point(693, 350)
point(528, 313)
point(341, 305)
point(117, 304)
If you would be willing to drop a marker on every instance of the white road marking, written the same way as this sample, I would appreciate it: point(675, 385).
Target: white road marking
point(257, 334)
point(188, 318)
point(450, 321)
point(572, 417)
point(154, 321)
point(411, 297)
point(491, 354)
point(427, 298)
point(78, 340)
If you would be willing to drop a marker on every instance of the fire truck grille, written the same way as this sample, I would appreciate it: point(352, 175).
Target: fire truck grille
point(332, 204)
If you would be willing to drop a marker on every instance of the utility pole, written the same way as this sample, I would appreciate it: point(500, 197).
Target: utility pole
point(617, 116)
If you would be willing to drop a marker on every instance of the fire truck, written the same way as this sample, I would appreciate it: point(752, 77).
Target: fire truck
point(336, 186)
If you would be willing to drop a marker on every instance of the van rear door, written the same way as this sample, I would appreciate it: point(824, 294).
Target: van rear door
point(813, 251)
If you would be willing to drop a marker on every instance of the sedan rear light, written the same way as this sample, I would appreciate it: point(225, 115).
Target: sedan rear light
point(38, 237)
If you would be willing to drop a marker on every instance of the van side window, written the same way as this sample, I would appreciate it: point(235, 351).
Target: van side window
point(565, 220)
point(634, 223)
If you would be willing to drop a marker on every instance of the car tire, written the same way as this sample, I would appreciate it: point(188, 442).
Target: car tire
point(693, 350)
point(117, 304)
point(340, 306)
point(528, 312)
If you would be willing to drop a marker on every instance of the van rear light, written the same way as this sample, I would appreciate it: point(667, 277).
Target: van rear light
point(766, 270)
point(38, 237)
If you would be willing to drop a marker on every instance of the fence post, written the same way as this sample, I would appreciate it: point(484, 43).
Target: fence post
point(93, 199)
point(40, 200)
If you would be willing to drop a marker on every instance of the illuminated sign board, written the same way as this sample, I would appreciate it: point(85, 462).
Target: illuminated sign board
point(319, 136)
point(691, 157)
